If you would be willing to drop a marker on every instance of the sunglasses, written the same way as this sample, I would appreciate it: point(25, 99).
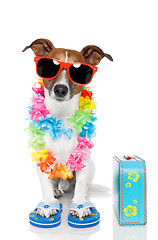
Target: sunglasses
point(79, 73)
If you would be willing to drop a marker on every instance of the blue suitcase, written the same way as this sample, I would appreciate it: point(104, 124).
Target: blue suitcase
point(129, 190)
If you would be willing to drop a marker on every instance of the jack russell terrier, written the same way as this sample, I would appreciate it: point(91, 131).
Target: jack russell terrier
point(62, 90)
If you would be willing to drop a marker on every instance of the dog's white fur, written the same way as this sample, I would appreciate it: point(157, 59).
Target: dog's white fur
point(61, 148)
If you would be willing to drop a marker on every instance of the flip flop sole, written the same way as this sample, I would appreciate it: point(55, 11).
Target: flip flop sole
point(85, 222)
point(43, 222)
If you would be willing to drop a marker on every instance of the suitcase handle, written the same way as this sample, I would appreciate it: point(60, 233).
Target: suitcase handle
point(127, 157)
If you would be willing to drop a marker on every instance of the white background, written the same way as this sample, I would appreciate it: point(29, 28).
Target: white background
point(126, 95)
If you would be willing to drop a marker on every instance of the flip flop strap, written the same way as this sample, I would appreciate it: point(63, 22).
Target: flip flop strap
point(47, 207)
point(80, 207)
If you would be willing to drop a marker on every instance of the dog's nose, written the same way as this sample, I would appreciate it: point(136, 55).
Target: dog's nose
point(60, 90)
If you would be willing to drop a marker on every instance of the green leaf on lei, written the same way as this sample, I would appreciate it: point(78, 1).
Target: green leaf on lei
point(36, 143)
point(32, 131)
point(76, 126)
point(36, 138)
point(79, 119)
point(86, 88)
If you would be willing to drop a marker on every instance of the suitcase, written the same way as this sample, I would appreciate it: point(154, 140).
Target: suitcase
point(129, 190)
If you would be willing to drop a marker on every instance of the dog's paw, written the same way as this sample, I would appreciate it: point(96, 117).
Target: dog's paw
point(42, 214)
point(58, 193)
point(86, 212)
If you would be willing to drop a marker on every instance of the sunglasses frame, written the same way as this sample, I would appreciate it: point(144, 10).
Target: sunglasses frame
point(67, 66)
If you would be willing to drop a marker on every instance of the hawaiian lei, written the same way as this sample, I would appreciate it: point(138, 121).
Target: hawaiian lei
point(41, 120)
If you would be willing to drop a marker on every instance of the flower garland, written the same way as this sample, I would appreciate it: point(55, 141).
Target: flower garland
point(41, 120)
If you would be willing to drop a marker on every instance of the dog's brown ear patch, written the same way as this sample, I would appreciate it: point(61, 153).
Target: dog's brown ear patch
point(40, 47)
point(94, 54)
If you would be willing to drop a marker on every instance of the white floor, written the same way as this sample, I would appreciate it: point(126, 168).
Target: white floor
point(108, 226)
point(64, 231)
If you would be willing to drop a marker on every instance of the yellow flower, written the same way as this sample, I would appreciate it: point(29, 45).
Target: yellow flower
point(41, 154)
point(39, 83)
point(133, 176)
point(128, 184)
point(86, 103)
point(130, 211)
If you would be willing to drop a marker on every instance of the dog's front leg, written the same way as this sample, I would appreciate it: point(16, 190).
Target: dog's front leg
point(57, 192)
point(47, 192)
point(83, 181)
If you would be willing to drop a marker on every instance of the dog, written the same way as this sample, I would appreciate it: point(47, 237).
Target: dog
point(62, 100)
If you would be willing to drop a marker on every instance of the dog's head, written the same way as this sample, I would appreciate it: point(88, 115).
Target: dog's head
point(61, 87)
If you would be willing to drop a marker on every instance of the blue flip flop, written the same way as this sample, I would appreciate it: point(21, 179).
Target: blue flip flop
point(46, 222)
point(83, 222)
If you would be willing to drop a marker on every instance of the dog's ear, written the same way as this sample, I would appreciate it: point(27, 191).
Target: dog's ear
point(40, 47)
point(94, 54)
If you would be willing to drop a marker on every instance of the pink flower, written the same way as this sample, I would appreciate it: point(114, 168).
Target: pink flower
point(39, 90)
point(38, 102)
point(36, 97)
point(35, 114)
point(75, 163)
point(80, 153)
point(83, 143)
